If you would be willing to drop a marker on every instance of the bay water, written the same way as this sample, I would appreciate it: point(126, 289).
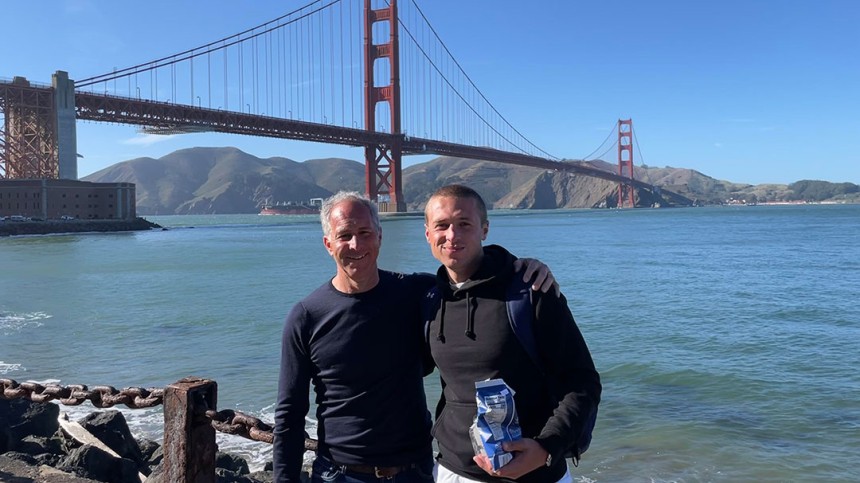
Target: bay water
point(727, 338)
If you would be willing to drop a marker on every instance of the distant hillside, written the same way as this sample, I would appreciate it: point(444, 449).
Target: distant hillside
point(492, 180)
point(227, 180)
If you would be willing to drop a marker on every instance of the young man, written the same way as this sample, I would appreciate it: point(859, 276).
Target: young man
point(471, 340)
point(358, 339)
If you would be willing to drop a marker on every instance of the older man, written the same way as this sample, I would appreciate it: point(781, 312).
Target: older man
point(358, 339)
point(471, 340)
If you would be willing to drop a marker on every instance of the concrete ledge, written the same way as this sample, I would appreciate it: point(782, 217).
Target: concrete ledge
point(11, 228)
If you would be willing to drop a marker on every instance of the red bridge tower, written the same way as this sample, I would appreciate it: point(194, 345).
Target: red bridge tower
point(625, 162)
point(383, 179)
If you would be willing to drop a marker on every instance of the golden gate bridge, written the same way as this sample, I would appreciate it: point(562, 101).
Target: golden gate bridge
point(364, 74)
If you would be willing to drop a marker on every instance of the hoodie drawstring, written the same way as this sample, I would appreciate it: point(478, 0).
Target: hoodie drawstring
point(440, 335)
point(470, 319)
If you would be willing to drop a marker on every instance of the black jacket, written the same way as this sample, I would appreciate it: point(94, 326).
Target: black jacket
point(471, 340)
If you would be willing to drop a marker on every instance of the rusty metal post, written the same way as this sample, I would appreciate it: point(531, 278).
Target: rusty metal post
point(189, 438)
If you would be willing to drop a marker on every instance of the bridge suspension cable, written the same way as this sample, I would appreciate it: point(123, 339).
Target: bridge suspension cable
point(298, 66)
point(639, 156)
point(473, 116)
point(304, 66)
point(591, 156)
point(206, 48)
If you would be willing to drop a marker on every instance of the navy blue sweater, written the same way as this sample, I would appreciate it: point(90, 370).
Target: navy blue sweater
point(362, 352)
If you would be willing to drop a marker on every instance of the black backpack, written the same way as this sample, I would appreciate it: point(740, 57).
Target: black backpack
point(518, 301)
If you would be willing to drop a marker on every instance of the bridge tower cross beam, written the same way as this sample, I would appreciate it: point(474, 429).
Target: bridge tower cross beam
point(625, 162)
point(29, 133)
point(37, 136)
point(383, 181)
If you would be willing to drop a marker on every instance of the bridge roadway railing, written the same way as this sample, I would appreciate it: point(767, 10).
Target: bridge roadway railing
point(164, 117)
point(191, 418)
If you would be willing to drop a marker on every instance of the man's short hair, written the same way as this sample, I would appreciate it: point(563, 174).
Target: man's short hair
point(460, 191)
point(351, 196)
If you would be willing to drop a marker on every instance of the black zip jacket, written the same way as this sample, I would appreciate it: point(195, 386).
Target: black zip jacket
point(471, 340)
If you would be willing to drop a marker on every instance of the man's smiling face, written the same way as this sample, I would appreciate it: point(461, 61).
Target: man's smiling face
point(353, 243)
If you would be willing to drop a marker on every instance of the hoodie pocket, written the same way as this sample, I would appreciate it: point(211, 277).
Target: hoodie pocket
point(451, 429)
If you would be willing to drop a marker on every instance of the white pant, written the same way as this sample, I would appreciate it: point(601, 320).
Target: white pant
point(444, 475)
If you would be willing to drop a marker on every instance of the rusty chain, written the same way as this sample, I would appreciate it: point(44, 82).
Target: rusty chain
point(226, 421)
point(233, 422)
point(76, 394)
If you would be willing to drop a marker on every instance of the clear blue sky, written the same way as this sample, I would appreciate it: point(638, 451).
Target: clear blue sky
point(750, 91)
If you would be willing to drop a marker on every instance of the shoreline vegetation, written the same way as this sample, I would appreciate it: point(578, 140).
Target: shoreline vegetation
point(15, 228)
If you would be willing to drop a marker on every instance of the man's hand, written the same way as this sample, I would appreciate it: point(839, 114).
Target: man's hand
point(539, 271)
point(528, 456)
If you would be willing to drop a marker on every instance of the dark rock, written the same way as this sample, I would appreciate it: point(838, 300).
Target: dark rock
point(233, 463)
point(156, 474)
point(35, 445)
point(264, 476)
point(150, 451)
point(20, 418)
point(223, 475)
point(91, 462)
point(111, 429)
point(156, 458)
point(267, 475)
point(67, 443)
point(8, 415)
point(48, 459)
point(23, 457)
point(15, 471)
point(40, 419)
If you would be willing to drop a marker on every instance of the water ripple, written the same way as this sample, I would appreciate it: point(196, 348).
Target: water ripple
point(11, 322)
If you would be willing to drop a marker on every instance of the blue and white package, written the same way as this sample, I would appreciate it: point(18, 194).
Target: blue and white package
point(496, 421)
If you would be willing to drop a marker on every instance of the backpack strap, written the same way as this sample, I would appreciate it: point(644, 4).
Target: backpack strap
point(518, 300)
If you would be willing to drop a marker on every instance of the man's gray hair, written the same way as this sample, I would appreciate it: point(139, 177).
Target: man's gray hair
point(340, 197)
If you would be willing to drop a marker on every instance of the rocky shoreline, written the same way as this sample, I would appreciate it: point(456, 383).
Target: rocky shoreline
point(35, 447)
point(13, 228)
